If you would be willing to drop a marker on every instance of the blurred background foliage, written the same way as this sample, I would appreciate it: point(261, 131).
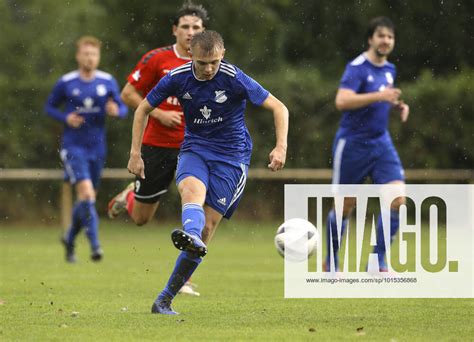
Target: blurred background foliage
point(296, 49)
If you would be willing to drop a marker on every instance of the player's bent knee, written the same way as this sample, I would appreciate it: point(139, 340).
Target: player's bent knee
point(349, 205)
point(86, 196)
point(192, 189)
point(85, 190)
point(347, 211)
point(142, 213)
point(140, 219)
point(398, 202)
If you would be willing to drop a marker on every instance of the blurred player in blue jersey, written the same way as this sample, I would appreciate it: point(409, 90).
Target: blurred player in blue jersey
point(363, 146)
point(215, 155)
point(81, 100)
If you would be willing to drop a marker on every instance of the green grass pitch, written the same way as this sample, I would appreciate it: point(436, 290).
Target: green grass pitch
point(241, 285)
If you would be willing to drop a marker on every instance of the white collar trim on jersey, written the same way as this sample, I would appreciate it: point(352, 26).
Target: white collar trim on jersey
point(178, 55)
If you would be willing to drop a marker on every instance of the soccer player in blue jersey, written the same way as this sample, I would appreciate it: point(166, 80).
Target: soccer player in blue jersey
point(215, 155)
point(363, 146)
point(81, 100)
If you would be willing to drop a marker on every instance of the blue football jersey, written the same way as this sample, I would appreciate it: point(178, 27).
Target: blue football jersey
point(363, 77)
point(88, 99)
point(213, 109)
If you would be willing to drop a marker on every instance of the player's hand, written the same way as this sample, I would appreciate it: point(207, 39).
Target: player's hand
point(111, 108)
point(74, 120)
point(277, 158)
point(168, 118)
point(390, 95)
point(136, 165)
point(404, 110)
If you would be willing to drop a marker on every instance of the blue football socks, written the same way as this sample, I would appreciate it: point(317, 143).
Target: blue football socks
point(331, 231)
point(90, 220)
point(185, 266)
point(75, 226)
point(380, 247)
point(193, 219)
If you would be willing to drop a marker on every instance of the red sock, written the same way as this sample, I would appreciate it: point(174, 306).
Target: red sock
point(130, 202)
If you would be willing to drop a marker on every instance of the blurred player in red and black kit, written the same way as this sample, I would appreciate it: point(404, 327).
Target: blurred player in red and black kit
point(164, 132)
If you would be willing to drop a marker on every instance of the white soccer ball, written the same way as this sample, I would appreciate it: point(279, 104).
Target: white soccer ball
point(299, 237)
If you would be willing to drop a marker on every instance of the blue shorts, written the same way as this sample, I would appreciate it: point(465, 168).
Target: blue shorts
point(80, 164)
point(224, 180)
point(356, 159)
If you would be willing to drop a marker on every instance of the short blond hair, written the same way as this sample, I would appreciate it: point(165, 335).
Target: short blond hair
point(88, 40)
point(209, 41)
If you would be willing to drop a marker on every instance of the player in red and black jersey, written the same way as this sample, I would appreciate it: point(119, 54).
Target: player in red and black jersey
point(164, 132)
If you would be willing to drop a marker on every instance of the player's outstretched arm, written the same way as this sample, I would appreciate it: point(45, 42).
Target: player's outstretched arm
point(135, 163)
point(280, 115)
point(348, 99)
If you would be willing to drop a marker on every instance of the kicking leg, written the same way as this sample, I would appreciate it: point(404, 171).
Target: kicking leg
point(193, 193)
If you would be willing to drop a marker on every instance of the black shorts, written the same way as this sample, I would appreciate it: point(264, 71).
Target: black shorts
point(160, 167)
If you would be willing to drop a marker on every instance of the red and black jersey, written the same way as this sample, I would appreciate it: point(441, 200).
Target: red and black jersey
point(154, 65)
